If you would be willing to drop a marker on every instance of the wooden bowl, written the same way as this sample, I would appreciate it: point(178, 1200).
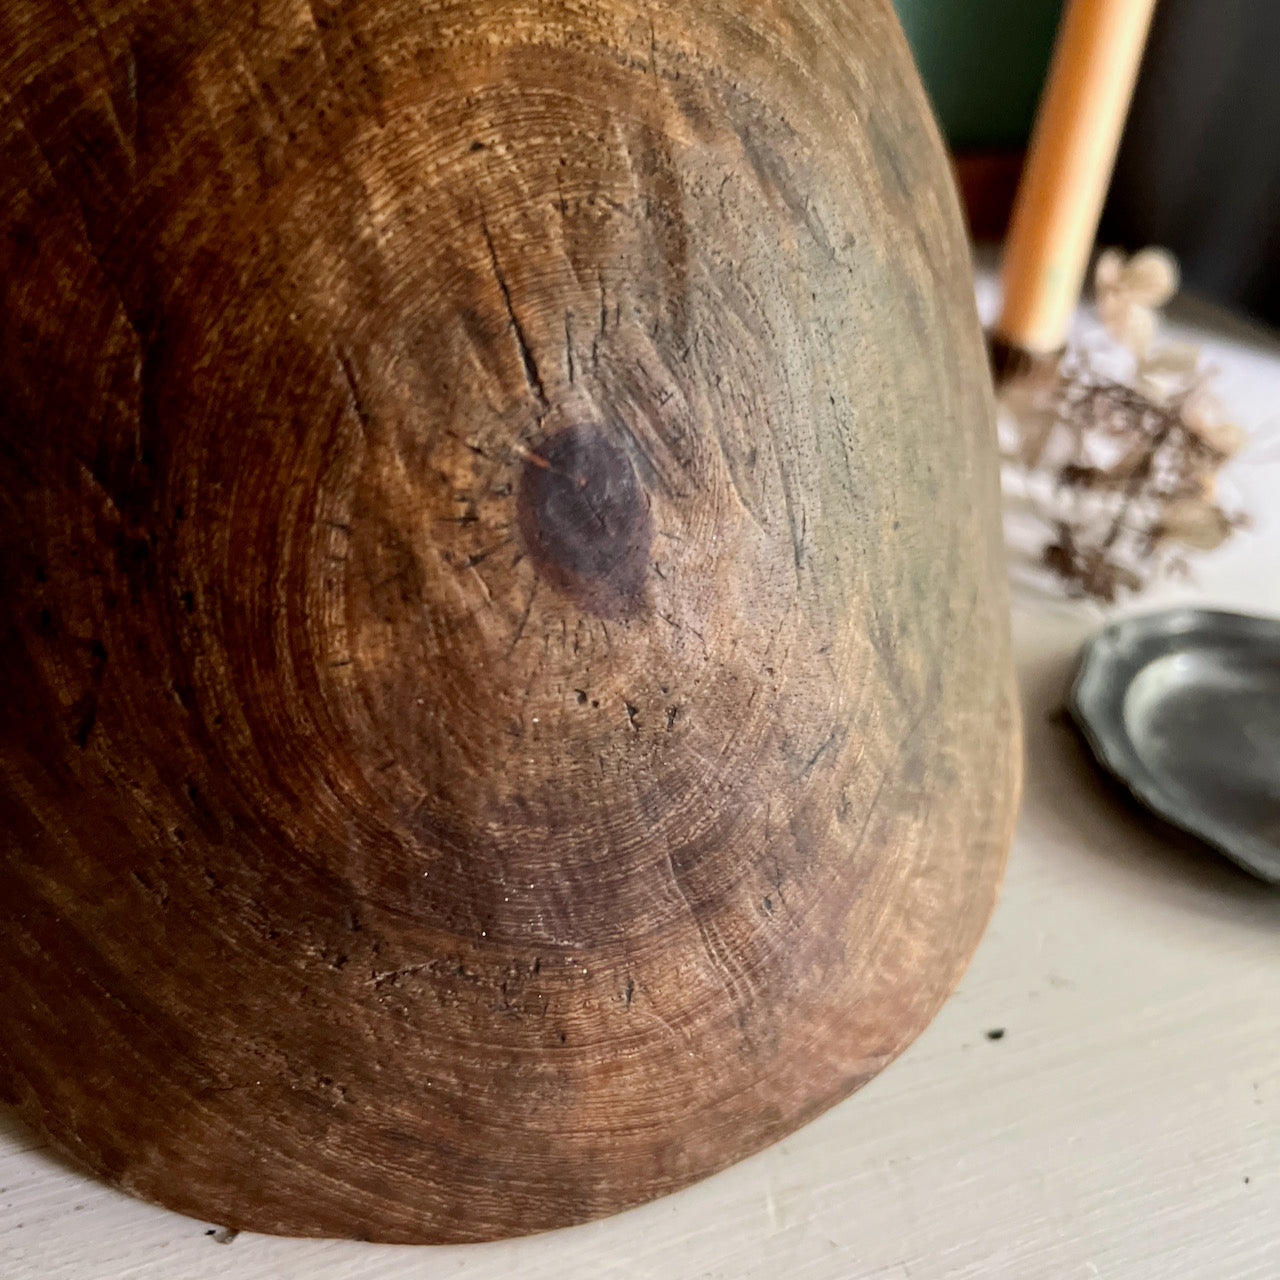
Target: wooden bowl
point(506, 699)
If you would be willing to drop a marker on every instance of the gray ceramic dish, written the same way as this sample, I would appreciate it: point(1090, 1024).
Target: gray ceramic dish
point(1183, 708)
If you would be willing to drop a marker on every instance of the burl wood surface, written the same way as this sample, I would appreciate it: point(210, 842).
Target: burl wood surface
point(504, 679)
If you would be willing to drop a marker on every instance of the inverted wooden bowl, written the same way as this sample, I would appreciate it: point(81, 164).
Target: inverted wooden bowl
point(505, 697)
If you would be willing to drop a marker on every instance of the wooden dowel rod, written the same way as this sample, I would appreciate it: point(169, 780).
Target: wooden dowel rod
point(1069, 164)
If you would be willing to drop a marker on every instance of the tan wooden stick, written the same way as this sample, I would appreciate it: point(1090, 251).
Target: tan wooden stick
point(1069, 165)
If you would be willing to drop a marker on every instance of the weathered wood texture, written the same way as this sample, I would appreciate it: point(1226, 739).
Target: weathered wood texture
point(505, 686)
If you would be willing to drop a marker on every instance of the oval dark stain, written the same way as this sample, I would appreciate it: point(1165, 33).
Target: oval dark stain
point(584, 518)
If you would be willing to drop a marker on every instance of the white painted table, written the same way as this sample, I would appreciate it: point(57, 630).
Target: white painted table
point(1125, 1126)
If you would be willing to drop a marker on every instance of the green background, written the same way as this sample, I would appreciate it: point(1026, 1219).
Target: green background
point(983, 62)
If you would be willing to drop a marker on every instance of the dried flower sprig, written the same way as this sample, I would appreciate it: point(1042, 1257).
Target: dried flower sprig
point(1131, 292)
point(1116, 476)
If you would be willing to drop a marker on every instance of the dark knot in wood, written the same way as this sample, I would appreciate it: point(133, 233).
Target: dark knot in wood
point(584, 518)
